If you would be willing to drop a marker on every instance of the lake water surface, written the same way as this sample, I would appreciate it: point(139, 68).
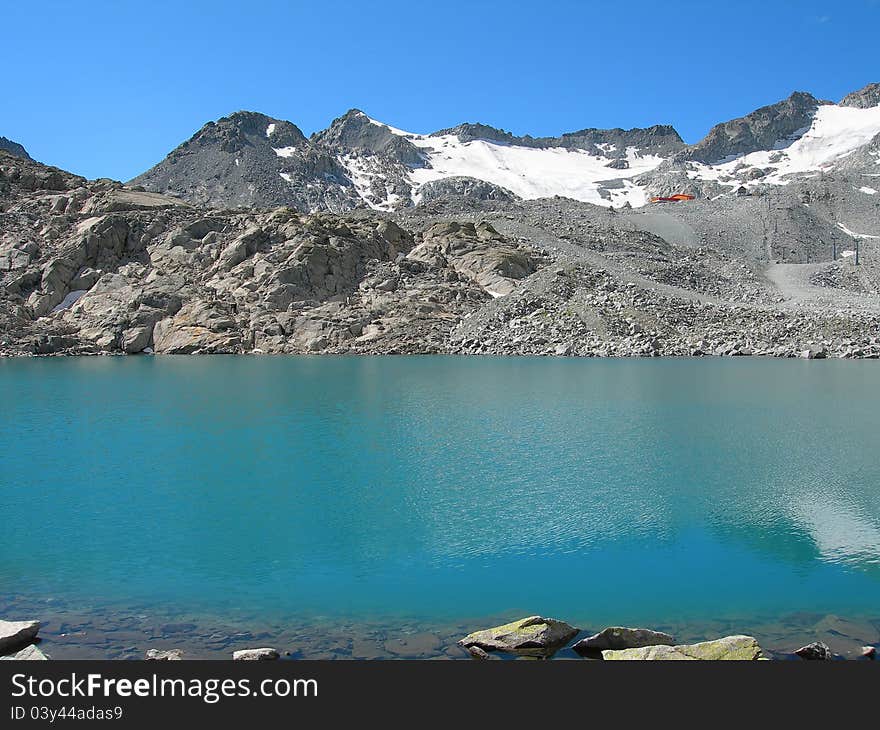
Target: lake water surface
point(441, 488)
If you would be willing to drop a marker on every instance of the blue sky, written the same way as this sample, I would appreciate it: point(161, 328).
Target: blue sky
point(106, 89)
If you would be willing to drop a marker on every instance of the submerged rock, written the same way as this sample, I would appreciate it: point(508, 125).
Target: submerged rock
point(163, 655)
point(816, 650)
point(843, 636)
point(534, 634)
point(414, 645)
point(255, 655)
point(736, 648)
point(477, 653)
point(16, 634)
point(620, 637)
point(29, 653)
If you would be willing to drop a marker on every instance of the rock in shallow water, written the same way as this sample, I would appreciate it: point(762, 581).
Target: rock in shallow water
point(29, 653)
point(815, 651)
point(16, 634)
point(738, 648)
point(163, 655)
point(255, 655)
point(532, 634)
point(477, 653)
point(413, 645)
point(620, 637)
point(843, 636)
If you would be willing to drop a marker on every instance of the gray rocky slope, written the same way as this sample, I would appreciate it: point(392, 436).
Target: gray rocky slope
point(101, 267)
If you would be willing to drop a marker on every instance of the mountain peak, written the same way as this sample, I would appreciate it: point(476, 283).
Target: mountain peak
point(355, 131)
point(762, 129)
point(13, 148)
point(242, 129)
point(864, 98)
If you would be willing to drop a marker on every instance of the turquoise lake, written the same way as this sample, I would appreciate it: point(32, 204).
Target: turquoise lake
point(441, 487)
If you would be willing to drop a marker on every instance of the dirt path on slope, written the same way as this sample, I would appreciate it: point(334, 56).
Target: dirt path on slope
point(793, 283)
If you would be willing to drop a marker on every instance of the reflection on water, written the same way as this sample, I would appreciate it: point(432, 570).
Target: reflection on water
point(439, 488)
point(842, 532)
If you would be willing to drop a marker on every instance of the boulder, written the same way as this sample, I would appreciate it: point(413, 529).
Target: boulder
point(255, 655)
point(619, 637)
point(163, 655)
point(813, 353)
point(30, 653)
point(16, 634)
point(527, 635)
point(241, 248)
point(195, 329)
point(136, 339)
point(816, 650)
point(737, 648)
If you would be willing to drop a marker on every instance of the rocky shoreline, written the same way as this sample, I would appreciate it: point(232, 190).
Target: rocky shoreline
point(533, 637)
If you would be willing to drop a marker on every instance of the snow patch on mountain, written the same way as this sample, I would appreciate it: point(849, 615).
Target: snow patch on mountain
point(529, 172)
point(285, 151)
point(835, 133)
point(393, 130)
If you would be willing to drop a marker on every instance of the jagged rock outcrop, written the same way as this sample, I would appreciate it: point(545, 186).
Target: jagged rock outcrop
point(464, 190)
point(477, 252)
point(763, 129)
point(13, 148)
point(356, 132)
point(864, 98)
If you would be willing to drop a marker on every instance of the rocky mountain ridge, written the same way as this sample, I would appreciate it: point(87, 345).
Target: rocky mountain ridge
point(250, 159)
